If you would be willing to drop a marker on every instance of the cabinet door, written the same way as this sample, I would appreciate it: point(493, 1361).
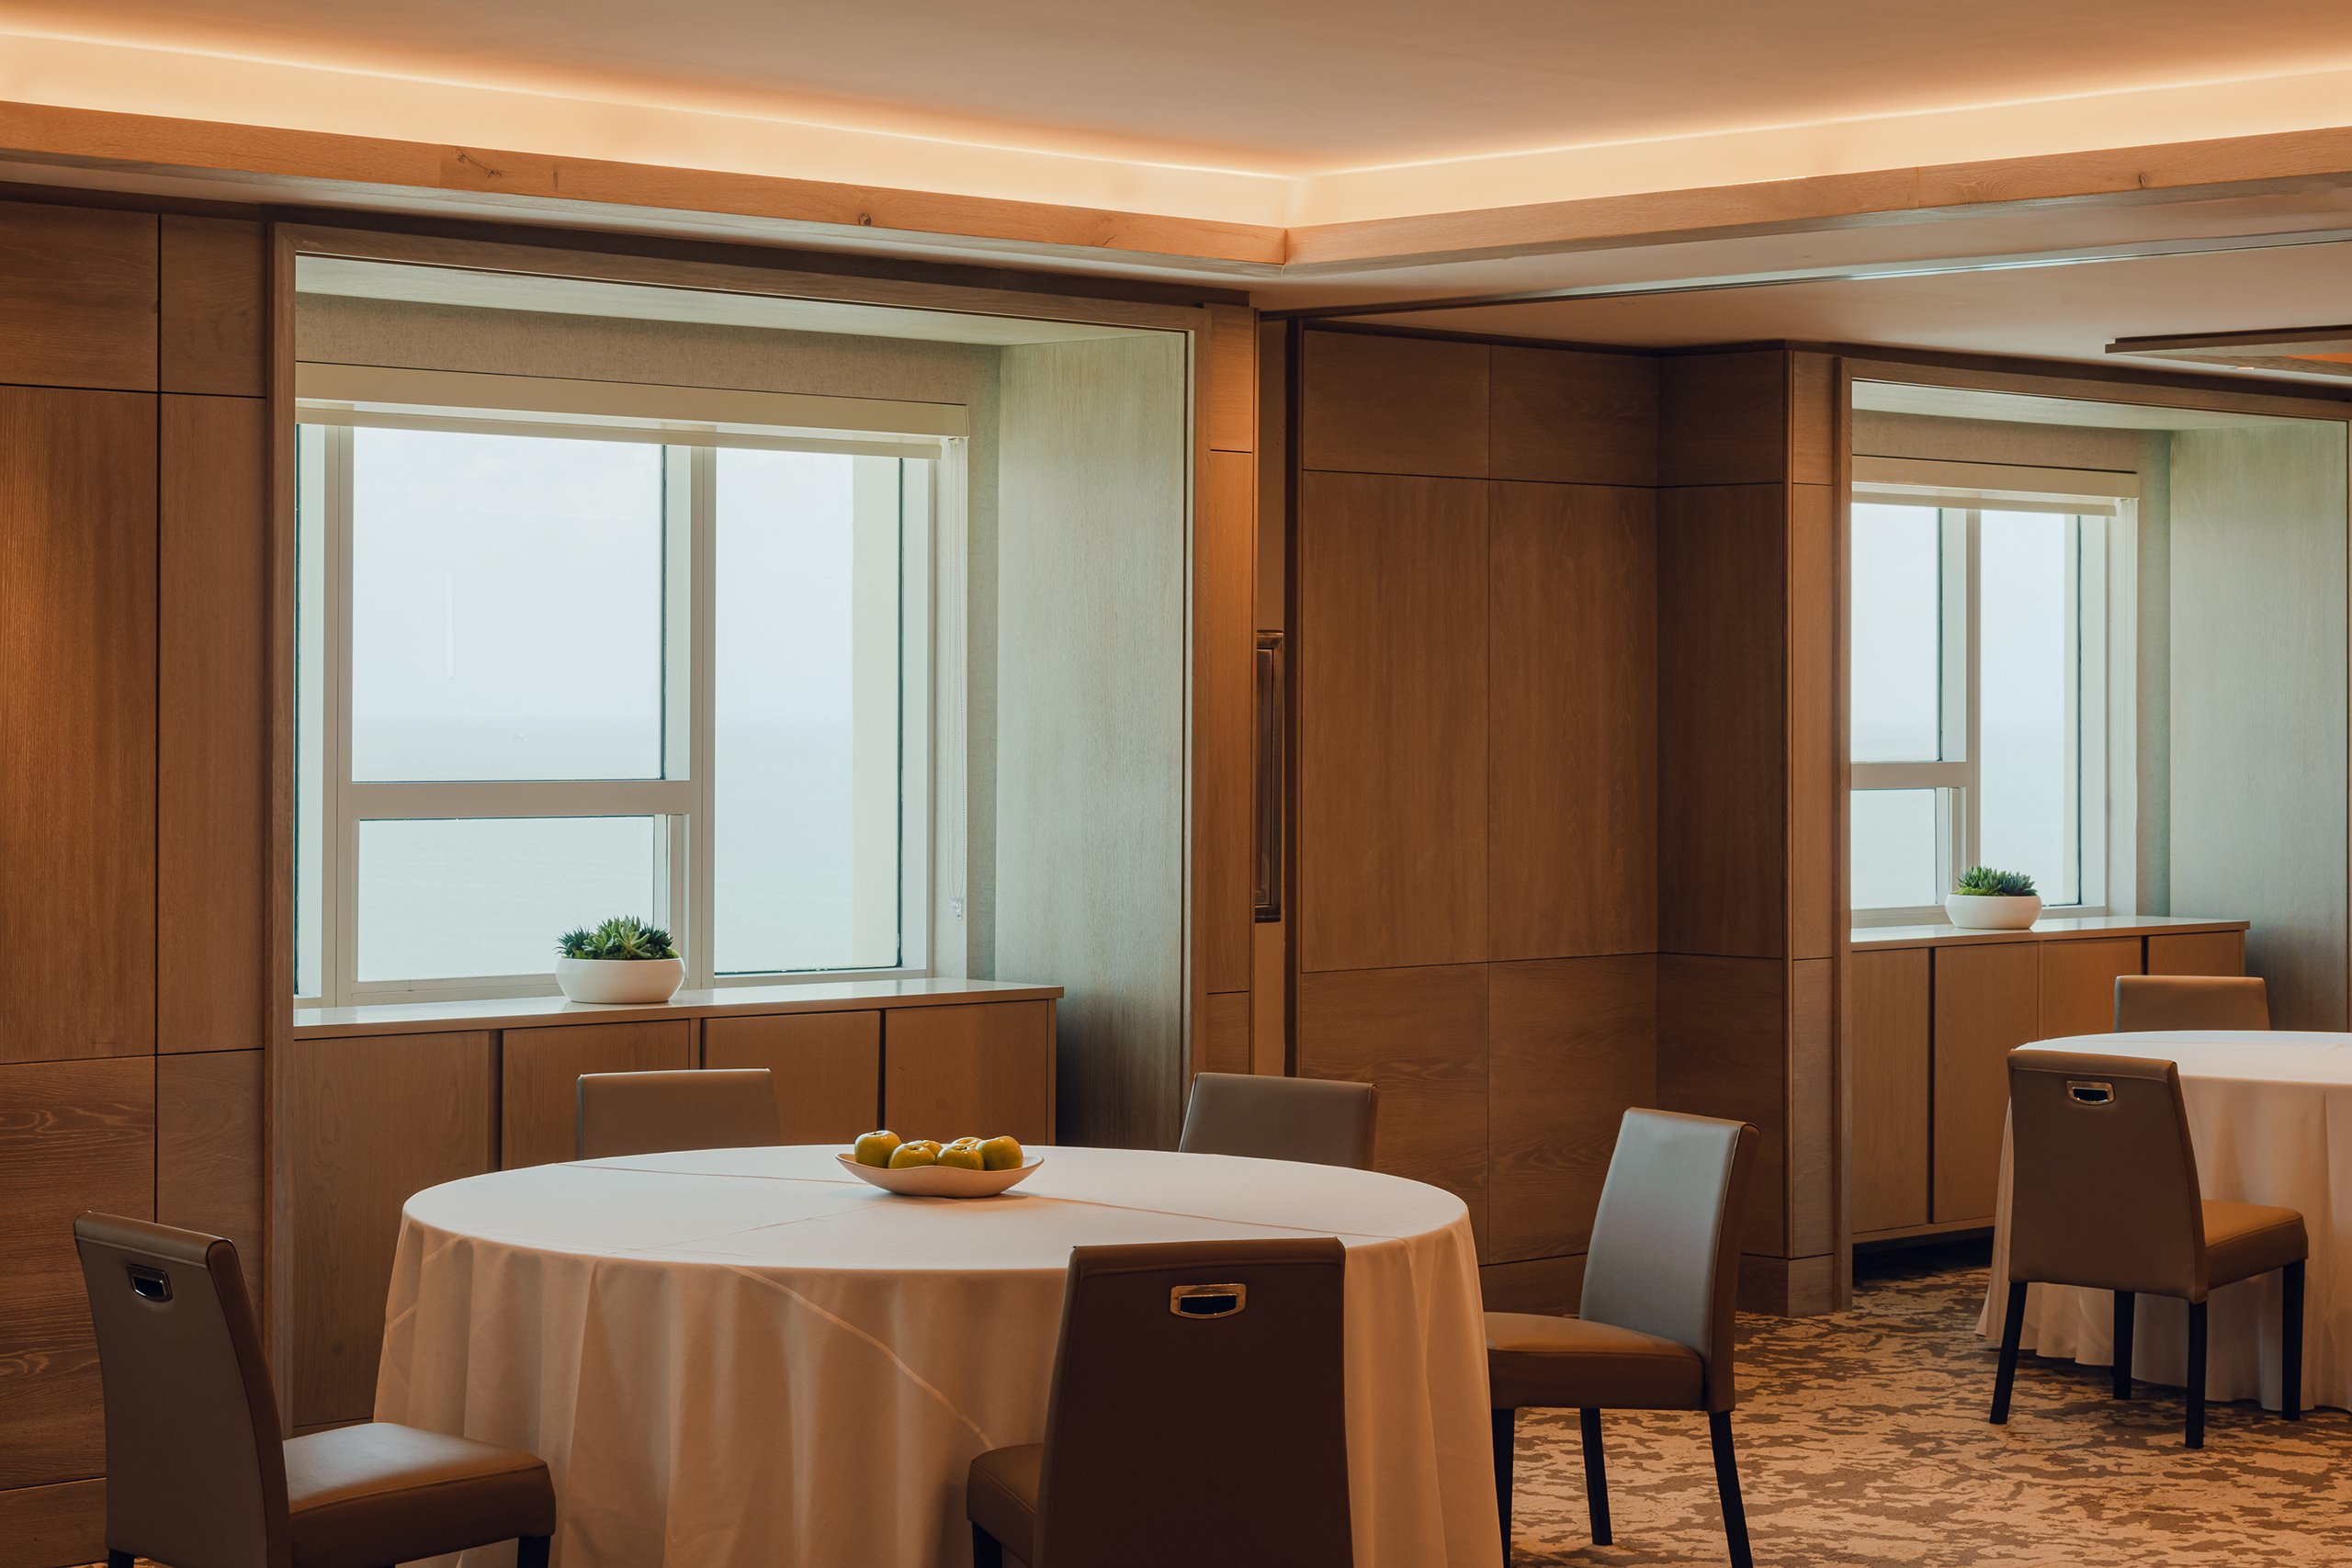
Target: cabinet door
point(2197, 952)
point(78, 297)
point(540, 1093)
point(981, 1068)
point(2079, 983)
point(1987, 1004)
point(826, 1066)
point(1887, 1046)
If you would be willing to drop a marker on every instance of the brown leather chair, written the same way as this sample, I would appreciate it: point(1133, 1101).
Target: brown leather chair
point(658, 1113)
point(197, 1476)
point(2191, 1001)
point(1197, 1416)
point(2104, 1195)
point(1314, 1121)
point(1654, 1329)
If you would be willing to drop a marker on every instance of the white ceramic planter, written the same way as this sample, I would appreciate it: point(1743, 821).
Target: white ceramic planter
point(1982, 912)
point(625, 980)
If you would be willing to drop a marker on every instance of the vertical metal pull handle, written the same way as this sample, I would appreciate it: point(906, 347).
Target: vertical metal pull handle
point(1271, 741)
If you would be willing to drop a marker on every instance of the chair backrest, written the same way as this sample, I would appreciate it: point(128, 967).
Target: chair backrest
point(654, 1114)
point(2103, 1189)
point(1197, 1412)
point(2191, 1001)
point(196, 1469)
point(1316, 1121)
point(1664, 1257)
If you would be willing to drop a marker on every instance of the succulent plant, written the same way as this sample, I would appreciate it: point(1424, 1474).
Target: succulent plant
point(1984, 882)
point(623, 936)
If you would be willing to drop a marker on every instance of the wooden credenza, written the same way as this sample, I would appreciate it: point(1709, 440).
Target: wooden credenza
point(1932, 1012)
point(372, 1105)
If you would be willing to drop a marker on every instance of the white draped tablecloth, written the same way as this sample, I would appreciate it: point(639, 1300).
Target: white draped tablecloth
point(744, 1357)
point(2271, 1118)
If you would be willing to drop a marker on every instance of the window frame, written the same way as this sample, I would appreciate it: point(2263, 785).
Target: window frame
point(682, 801)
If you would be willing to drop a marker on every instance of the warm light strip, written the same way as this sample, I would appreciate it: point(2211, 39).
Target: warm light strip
point(129, 78)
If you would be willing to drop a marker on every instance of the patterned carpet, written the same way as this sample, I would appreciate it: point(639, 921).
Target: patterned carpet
point(1864, 1440)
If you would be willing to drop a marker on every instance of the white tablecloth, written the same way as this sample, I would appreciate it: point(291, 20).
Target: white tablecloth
point(2272, 1117)
point(745, 1356)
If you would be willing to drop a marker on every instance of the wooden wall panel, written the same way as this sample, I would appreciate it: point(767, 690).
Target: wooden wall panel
point(1888, 1014)
point(1392, 699)
point(827, 1067)
point(77, 719)
point(1572, 848)
point(44, 1526)
point(1814, 914)
point(1539, 1284)
point(539, 1105)
point(209, 1151)
point(1988, 1003)
point(1723, 726)
point(2079, 983)
point(1231, 346)
point(1723, 1051)
point(365, 1125)
point(1813, 1134)
point(78, 297)
point(1722, 418)
point(978, 1069)
point(1814, 394)
point(1221, 1035)
point(1574, 417)
point(212, 735)
point(74, 1137)
point(1377, 404)
point(212, 334)
point(2197, 952)
point(1421, 1036)
point(1224, 721)
point(1571, 1045)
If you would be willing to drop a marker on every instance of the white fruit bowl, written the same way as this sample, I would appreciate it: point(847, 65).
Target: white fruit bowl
point(940, 1180)
point(641, 981)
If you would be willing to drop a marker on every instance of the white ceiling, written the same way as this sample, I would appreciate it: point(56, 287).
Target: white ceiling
point(1299, 87)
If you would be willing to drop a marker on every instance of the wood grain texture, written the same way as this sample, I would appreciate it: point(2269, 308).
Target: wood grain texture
point(1571, 1046)
point(212, 725)
point(1814, 1134)
point(1224, 721)
point(1572, 671)
point(982, 1069)
point(1722, 729)
point(1269, 981)
point(74, 1136)
point(1221, 1035)
point(1888, 1014)
point(1723, 1051)
point(210, 1174)
point(2079, 983)
point(1391, 668)
point(1723, 418)
point(1374, 404)
point(827, 1067)
point(1814, 910)
point(1275, 442)
point(77, 721)
point(1814, 413)
point(538, 1102)
point(363, 1125)
point(1229, 365)
point(78, 297)
point(1574, 417)
point(1419, 1035)
point(46, 1527)
point(2197, 952)
point(1553, 1285)
point(212, 335)
point(1988, 1003)
point(1091, 703)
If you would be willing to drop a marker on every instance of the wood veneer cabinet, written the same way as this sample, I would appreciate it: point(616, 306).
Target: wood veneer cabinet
point(827, 1067)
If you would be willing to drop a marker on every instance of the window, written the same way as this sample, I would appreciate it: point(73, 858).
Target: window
point(551, 670)
point(1978, 699)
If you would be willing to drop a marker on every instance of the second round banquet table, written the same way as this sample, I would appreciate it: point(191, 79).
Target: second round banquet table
point(739, 1357)
point(2270, 1114)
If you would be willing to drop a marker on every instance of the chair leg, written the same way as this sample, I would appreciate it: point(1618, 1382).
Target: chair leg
point(2126, 1309)
point(1506, 1463)
point(1596, 1475)
point(530, 1551)
point(987, 1551)
point(2291, 1342)
point(2012, 1334)
point(2196, 1374)
point(1728, 1486)
point(120, 1560)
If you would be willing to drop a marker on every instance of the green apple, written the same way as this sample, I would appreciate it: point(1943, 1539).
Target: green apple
point(1003, 1152)
point(964, 1157)
point(876, 1148)
point(922, 1151)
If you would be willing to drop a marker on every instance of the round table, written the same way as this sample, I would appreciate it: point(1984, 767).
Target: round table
point(748, 1356)
point(2270, 1114)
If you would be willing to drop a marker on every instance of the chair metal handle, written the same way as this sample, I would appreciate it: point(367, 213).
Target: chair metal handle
point(1207, 1300)
point(2091, 1093)
point(148, 1283)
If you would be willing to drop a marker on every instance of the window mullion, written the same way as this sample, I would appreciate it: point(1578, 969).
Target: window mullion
point(702, 492)
point(339, 945)
point(1969, 813)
